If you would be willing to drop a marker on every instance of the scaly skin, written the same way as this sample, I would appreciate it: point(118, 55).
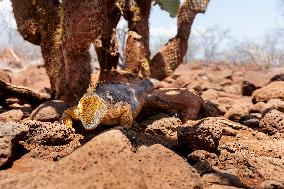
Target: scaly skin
point(116, 101)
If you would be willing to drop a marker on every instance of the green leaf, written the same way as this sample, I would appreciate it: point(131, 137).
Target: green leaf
point(171, 6)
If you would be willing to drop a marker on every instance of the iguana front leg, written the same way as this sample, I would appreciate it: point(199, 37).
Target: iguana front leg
point(123, 112)
point(69, 115)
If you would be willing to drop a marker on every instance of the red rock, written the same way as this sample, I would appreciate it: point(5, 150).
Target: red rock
point(172, 171)
point(49, 111)
point(187, 103)
point(205, 135)
point(274, 90)
point(272, 122)
point(10, 134)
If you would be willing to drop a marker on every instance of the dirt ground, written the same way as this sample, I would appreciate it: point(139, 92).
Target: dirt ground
point(224, 128)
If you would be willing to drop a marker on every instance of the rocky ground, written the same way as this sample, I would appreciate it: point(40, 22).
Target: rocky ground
point(224, 128)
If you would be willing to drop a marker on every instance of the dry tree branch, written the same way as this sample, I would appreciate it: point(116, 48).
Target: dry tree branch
point(33, 97)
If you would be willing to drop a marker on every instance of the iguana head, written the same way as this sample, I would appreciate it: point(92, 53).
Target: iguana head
point(92, 109)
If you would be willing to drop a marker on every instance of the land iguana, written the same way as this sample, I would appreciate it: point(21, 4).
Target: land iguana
point(117, 98)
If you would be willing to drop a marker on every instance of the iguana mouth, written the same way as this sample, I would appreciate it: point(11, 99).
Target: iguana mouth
point(91, 126)
point(92, 109)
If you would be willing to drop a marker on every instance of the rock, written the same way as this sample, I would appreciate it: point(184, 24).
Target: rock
point(262, 107)
point(257, 78)
point(12, 116)
point(258, 107)
point(233, 89)
point(104, 162)
point(252, 156)
point(274, 90)
point(250, 120)
point(48, 133)
point(34, 77)
point(107, 161)
point(51, 141)
point(218, 186)
point(248, 88)
point(222, 179)
point(279, 77)
point(5, 76)
point(10, 134)
point(216, 78)
point(272, 122)
point(276, 104)
point(202, 161)
point(164, 84)
point(164, 127)
point(271, 184)
point(210, 94)
point(186, 103)
point(162, 168)
point(227, 83)
point(49, 111)
point(211, 86)
point(176, 81)
point(204, 135)
point(211, 109)
point(236, 112)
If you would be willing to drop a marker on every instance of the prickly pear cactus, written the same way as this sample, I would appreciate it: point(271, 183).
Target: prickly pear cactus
point(198, 5)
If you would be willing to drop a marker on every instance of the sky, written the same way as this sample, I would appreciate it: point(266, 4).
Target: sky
point(247, 19)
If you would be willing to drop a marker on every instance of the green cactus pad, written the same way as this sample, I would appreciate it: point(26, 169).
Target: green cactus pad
point(171, 6)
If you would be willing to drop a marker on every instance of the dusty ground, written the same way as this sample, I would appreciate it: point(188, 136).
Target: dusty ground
point(224, 128)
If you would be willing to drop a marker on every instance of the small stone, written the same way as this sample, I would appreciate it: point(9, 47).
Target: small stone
point(12, 116)
point(5, 76)
point(222, 179)
point(271, 184)
point(10, 134)
point(202, 161)
point(248, 88)
point(272, 122)
point(250, 121)
point(236, 112)
point(49, 111)
point(164, 127)
point(205, 135)
point(279, 77)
